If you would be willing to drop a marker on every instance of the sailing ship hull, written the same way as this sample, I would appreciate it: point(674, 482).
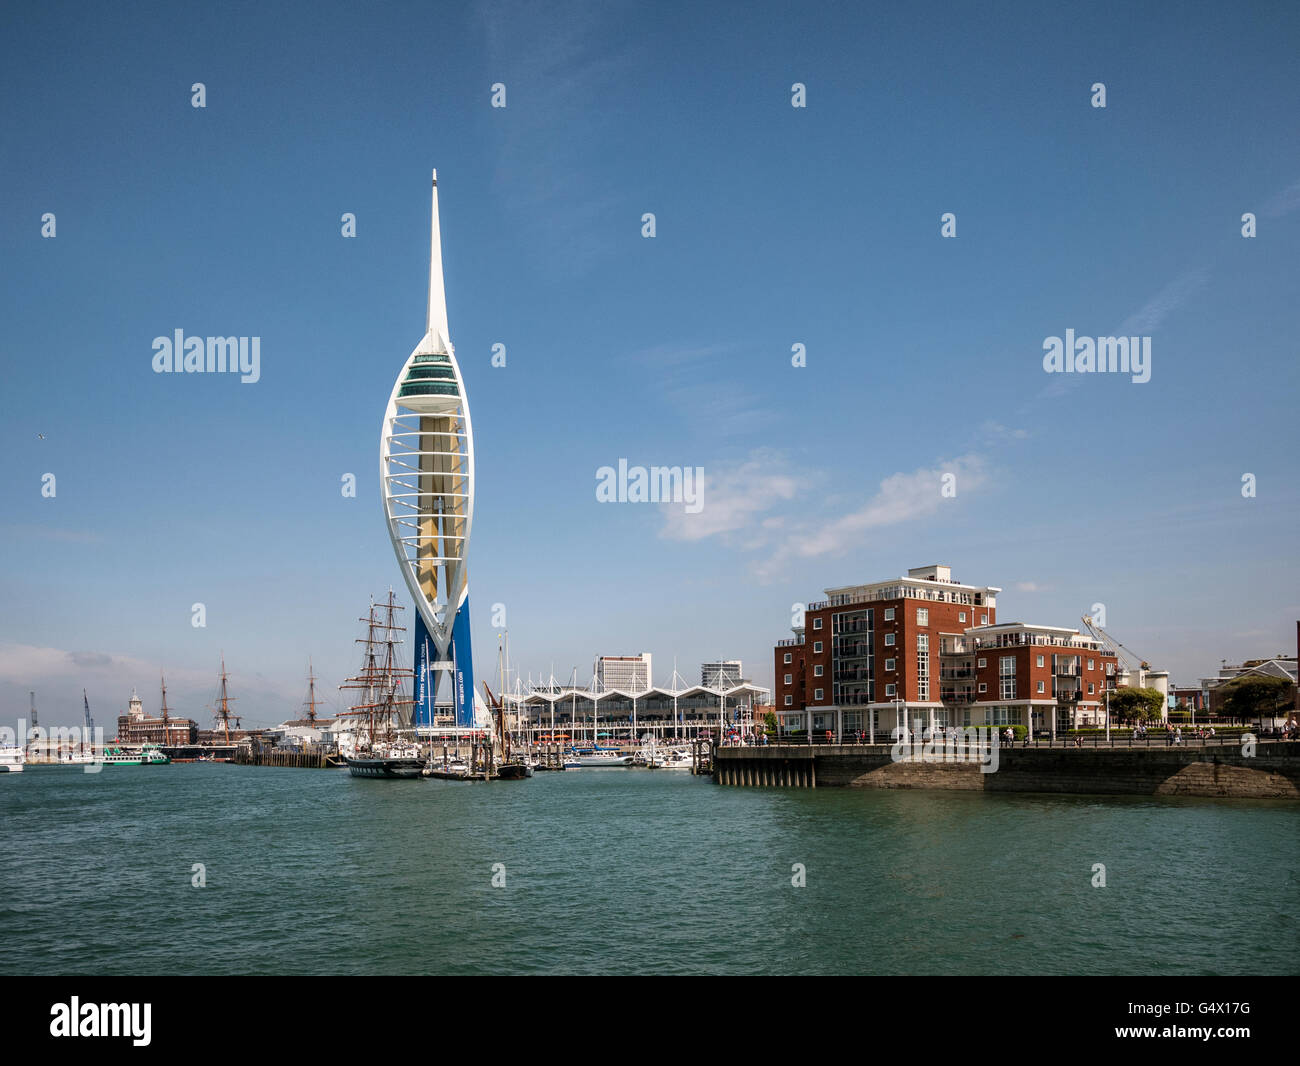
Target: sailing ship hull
point(514, 771)
point(384, 767)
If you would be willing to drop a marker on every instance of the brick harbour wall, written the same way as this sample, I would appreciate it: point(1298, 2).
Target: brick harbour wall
point(1273, 773)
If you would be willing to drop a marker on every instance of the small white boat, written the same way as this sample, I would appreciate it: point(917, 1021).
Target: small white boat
point(12, 758)
point(672, 760)
point(597, 758)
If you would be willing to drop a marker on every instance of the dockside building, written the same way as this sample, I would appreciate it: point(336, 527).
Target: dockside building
point(927, 648)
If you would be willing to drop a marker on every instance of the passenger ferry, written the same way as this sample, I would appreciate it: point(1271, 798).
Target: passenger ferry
point(12, 758)
point(148, 755)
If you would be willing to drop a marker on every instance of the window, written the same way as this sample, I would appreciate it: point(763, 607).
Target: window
point(787, 658)
point(1040, 663)
point(983, 663)
point(961, 616)
point(1007, 677)
point(983, 688)
point(889, 614)
point(1091, 665)
point(787, 679)
point(817, 670)
point(818, 694)
point(817, 623)
point(923, 616)
point(889, 640)
point(984, 620)
point(817, 647)
point(1110, 669)
point(923, 665)
point(1041, 684)
point(789, 701)
point(889, 690)
point(889, 664)
point(1090, 688)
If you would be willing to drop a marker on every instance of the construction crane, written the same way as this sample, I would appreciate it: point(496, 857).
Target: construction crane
point(1125, 655)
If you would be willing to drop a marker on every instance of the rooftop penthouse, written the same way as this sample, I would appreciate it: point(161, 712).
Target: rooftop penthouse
point(933, 583)
point(1019, 634)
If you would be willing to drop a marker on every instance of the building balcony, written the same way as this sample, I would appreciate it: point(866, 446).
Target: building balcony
point(790, 642)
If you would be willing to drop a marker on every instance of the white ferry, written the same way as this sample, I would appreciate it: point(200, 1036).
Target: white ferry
point(148, 755)
point(12, 758)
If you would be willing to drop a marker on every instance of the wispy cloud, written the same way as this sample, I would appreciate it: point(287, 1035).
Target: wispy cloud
point(29, 664)
point(902, 497)
point(760, 506)
point(702, 383)
point(735, 499)
point(558, 63)
point(1151, 315)
point(1030, 586)
point(1145, 320)
point(1283, 203)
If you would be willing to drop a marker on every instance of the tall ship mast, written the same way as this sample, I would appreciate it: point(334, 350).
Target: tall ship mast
point(310, 701)
point(383, 707)
point(222, 712)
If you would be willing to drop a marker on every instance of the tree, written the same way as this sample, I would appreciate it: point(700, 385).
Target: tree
point(769, 723)
point(1258, 697)
point(1137, 703)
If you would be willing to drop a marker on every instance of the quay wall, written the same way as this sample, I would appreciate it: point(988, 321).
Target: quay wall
point(1272, 773)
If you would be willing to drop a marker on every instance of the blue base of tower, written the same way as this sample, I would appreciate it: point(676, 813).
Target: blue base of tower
point(462, 678)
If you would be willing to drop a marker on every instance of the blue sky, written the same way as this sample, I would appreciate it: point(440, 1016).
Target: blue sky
point(775, 226)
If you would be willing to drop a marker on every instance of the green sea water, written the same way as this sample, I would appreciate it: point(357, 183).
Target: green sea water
point(627, 871)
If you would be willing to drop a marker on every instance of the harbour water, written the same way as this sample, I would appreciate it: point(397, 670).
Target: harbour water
point(623, 871)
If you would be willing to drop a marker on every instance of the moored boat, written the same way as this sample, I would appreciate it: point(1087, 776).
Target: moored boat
point(377, 749)
point(146, 755)
point(12, 759)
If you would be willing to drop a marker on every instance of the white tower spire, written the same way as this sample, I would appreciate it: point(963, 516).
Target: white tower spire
point(437, 318)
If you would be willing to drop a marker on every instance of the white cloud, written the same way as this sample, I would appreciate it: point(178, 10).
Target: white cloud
point(902, 497)
point(24, 664)
point(1153, 313)
point(735, 498)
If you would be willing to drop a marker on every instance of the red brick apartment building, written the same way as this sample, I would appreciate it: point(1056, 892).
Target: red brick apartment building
point(930, 648)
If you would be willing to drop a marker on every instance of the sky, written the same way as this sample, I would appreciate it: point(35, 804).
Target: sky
point(774, 226)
